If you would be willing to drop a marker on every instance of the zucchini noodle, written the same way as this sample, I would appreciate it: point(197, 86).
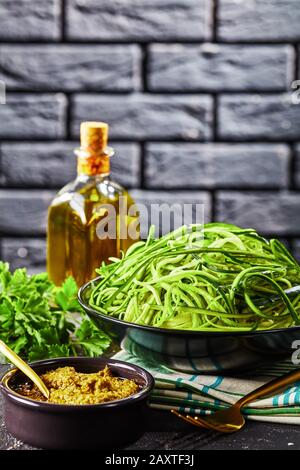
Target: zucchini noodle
point(213, 277)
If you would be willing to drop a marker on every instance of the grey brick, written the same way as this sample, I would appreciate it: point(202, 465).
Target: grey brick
point(142, 116)
point(138, 20)
point(274, 213)
point(50, 164)
point(220, 67)
point(150, 205)
point(70, 68)
point(33, 116)
point(30, 19)
point(297, 166)
point(256, 20)
point(53, 164)
point(126, 164)
point(246, 116)
point(27, 253)
point(24, 212)
point(193, 165)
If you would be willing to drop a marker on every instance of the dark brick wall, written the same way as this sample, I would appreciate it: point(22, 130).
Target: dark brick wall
point(197, 92)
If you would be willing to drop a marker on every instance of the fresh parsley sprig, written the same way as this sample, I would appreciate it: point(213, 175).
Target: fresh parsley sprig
point(40, 320)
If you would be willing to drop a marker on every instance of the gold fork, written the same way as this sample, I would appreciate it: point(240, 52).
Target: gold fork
point(231, 419)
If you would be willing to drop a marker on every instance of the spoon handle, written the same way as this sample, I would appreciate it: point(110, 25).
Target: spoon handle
point(275, 385)
point(24, 367)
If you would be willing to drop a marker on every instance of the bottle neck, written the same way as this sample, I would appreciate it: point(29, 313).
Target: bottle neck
point(93, 164)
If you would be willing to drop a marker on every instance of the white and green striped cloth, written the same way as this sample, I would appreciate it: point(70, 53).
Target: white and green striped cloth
point(204, 394)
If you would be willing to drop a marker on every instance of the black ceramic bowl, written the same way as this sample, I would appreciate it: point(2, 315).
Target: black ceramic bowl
point(50, 426)
point(194, 351)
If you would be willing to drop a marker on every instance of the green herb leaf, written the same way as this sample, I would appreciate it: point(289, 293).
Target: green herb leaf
point(38, 320)
point(66, 296)
point(93, 341)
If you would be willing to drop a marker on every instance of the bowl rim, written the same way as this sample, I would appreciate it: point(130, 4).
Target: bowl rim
point(28, 402)
point(168, 331)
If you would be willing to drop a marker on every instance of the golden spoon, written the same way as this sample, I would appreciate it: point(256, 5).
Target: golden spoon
point(24, 367)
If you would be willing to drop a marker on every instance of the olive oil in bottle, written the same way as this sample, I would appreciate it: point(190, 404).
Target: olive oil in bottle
point(85, 223)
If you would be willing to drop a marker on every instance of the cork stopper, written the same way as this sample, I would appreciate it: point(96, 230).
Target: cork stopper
point(93, 136)
point(93, 156)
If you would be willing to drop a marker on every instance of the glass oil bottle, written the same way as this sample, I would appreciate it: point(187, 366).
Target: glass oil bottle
point(78, 239)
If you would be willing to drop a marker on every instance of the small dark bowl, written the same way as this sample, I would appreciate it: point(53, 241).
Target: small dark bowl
point(50, 426)
point(194, 351)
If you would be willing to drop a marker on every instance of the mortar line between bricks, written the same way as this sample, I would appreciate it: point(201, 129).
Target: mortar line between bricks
point(214, 126)
point(72, 140)
point(130, 140)
point(296, 63)
point(158, 92)
point(144, 69)
point(142, 165)
point(68, 116)
point(135, 41)
point(1, 167)
point(53, 91)
point(174, 140)
point(36, 236)
point(213, 209)
point(63, 18)
point(292, 167)
point(215, 11)
point(255, 190)
point(116, 140)
point(24, 237)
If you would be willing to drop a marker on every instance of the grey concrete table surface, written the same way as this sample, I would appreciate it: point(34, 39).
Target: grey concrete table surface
point(166, 432)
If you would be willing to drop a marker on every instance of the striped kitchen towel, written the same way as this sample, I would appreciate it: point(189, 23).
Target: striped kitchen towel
point(204, 394)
